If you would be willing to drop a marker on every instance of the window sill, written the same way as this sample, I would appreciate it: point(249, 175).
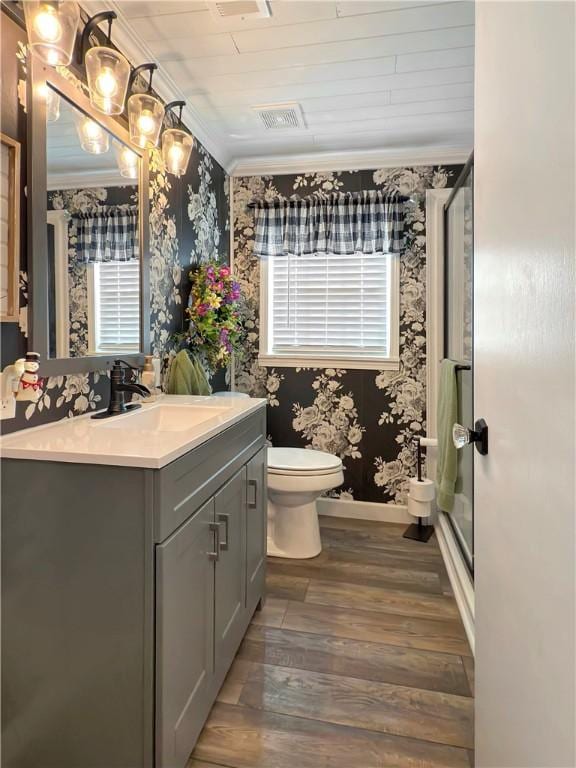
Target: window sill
point(348, 363)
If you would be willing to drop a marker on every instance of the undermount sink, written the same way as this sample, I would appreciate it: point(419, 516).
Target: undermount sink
point(163, 418)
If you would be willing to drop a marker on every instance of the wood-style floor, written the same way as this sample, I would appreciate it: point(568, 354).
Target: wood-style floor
point(358, 660)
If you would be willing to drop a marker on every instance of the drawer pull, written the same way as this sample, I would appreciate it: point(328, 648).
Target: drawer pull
point(224, 519)
point(215, 529)
point(253, 484)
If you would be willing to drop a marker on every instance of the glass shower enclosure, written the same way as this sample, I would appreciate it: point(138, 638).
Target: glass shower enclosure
point(459, 342)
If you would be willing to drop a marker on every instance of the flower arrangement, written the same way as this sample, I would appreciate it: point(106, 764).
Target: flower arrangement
point(215, 327)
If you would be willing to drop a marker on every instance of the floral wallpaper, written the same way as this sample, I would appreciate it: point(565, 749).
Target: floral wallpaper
point(188, 224)
point(368, 418)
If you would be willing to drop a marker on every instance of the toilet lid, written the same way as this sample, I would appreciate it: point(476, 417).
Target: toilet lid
point(302, 461)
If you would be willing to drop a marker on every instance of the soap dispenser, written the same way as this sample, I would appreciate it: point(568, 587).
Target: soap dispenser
point(148, 377)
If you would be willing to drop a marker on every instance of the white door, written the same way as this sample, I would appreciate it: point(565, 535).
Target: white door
point(524, 384)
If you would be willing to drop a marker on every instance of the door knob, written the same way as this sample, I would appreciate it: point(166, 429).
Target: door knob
point(462, 436)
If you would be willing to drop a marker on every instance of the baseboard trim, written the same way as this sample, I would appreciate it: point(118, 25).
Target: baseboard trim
point(364, 510)
point(458, 574)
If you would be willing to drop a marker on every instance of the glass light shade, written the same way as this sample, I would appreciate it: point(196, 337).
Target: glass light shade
point(52, 106)
point(127, 161)
point(93, 138)
point(108, 73)
point(51, 28)
point(145, 115)
point(176, 150)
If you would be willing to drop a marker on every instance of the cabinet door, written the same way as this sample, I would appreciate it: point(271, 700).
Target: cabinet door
point(230, 611)
point(184, 636)
point(256, 524)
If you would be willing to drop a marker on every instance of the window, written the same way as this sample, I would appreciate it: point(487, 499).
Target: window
point(114, 306)
point(332, 310)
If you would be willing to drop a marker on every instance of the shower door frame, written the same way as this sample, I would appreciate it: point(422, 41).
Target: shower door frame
point(456, 564)
point(466, 173)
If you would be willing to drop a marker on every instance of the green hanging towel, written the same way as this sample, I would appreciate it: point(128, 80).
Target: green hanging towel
point(447, 463)
point(186, 376)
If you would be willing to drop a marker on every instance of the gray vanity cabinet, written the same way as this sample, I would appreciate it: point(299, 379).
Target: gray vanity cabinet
point(126, 592)
point(184, 636)
point(203, 607)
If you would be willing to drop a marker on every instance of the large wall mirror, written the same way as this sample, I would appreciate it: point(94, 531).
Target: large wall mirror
point(89, 281)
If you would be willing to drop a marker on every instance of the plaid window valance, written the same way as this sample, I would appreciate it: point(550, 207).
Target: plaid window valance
point(108, 234)
point(340, 223)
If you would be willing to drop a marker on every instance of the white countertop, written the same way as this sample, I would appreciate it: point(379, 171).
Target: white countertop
point(162, 434)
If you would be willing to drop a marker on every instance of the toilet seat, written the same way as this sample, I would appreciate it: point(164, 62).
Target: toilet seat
point(301, 462)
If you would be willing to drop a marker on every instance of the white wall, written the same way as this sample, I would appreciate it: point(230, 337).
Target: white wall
point(524, 325)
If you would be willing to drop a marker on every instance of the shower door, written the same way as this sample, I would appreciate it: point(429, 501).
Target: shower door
point(458, 342)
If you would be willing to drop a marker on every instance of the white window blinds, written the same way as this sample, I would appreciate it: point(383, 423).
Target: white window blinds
point(115, 317)
point(333, 305)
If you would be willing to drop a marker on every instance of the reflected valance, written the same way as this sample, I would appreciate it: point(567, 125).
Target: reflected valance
point(340, 223)
point(107, 234)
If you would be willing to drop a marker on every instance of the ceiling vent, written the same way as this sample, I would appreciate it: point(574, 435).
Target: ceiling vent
point(278, 117)
point(241, 9)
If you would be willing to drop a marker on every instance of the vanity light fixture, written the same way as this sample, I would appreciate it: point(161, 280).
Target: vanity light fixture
point(107, 70)
point(145, 112)
point(51, 26)
point(177, 144)
point(93, 138)
point(127, 161)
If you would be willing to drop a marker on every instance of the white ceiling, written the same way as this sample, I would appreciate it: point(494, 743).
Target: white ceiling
point(382, 75)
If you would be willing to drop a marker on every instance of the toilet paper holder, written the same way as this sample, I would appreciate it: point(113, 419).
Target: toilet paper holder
point(418, 531)
point(423, 442)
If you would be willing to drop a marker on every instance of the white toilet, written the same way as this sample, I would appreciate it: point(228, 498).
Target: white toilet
point(296, 477)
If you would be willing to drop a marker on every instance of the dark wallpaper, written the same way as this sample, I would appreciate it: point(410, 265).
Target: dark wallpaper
point(368, 418)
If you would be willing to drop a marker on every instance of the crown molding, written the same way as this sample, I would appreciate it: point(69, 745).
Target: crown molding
point(138, 52)
point(88, 180)
point(346, 161)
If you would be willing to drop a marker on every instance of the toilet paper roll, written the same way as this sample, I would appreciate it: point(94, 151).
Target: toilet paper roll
point(419, 508)
point(422, 490)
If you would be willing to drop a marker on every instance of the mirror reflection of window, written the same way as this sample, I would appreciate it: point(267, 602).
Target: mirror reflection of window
point(114, 307)
point(93, 236)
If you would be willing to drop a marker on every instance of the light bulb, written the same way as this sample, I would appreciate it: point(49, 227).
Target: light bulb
point(106, 83)
point(146, 122)
point(107, 73)
point(92, 130)
point(145, 113)
point(177, 146)
point(127, 161)
point(52, 58)
point(129, 157)
point(47, 26)
point(175, 156)
point(93, 138)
